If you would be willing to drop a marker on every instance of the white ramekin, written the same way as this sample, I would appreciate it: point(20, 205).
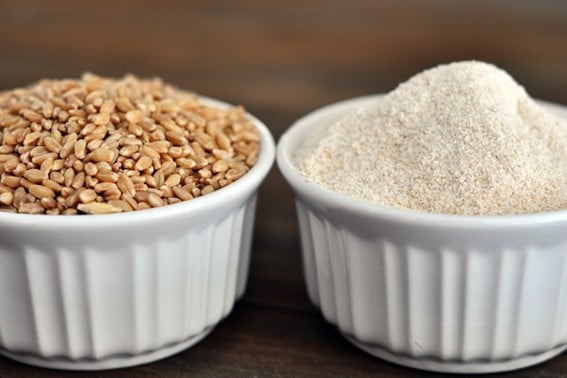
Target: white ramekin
point(115, 290)
point(445, 293)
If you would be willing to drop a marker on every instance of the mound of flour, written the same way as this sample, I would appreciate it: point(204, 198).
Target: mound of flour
point(461, 138)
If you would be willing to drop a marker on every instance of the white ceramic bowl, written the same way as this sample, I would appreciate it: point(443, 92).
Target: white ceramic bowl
point(115, 290)
point(465, 294)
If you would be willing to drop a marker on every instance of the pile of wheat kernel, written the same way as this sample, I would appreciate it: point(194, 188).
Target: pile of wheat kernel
point(99, 145)
point(462, 138)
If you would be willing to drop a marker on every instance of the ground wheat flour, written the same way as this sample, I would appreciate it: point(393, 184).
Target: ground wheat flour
point(461, 138)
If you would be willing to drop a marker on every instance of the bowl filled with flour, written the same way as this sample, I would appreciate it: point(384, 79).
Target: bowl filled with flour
point(433, 218)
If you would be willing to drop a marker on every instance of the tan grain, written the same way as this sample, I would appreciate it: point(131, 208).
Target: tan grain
point(159, 178)
point(103, 165)
point(126, 185)
point(35, 175)
point(69, 175)
point(7, 198)
point(121, 204)
point(220, 166)
point(58, 165)
point(235, 173)
point(154, 200)
point(80, 149)
point(176, 137)
point(186, 163)
point(5, 157)
point(87, 196)
point(77, 165)
point(101, 119)
point(144, 205)
point(58, 177)
point(124, 105)
point(25, 183)
point(197, 150)
point(130, 201)
point(11, 164)
point(93, 144)
point(98, 208)
point(173, 180)
point(107, 107)
point(31, 208)
point(181, 193)
point(150, 181)
point(91, 169)
point(105, 186)
point(105, 175)
point(68, 145)
point(101, 154)
point(51, 184)
point(196, 192)
point(168, 168)
point(207, 189)
point(90, 181)
point(6, 149)
point(30, 115)
point(143, 163)
point(175, 152)
point(47, 165)
point(204, 140)
point(40, 191)
point(201, 162)
point(78, 180)
point(4, 189)
point(48, 202)
point(150, 151)
point(52, 144)
point(39, 159)
point(135, 116)
point(128, 151)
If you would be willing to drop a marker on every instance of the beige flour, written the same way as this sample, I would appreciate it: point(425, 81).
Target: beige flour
point(461, 138)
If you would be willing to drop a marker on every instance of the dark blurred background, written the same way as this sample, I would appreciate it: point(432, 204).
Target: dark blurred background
point(281, 59)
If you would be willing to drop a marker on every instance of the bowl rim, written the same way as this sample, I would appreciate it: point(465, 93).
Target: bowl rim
point(221, 197)
point(329, 199)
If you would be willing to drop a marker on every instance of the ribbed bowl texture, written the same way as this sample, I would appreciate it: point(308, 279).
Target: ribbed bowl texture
point(446, 293)
point(106, 291)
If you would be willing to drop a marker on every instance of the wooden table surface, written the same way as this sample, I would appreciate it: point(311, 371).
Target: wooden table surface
point(280, 59)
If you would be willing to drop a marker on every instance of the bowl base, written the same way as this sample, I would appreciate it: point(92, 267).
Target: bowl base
point(110, 362)
point(474, 367)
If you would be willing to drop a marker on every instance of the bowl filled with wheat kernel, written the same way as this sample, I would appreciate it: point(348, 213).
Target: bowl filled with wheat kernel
point(126, 215)
point(433, 218)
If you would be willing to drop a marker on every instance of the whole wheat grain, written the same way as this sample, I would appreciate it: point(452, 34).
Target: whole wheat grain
point(462, 138)
point(98, 145)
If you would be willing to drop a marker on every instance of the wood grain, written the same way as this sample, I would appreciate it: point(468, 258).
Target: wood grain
point(280, 59)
